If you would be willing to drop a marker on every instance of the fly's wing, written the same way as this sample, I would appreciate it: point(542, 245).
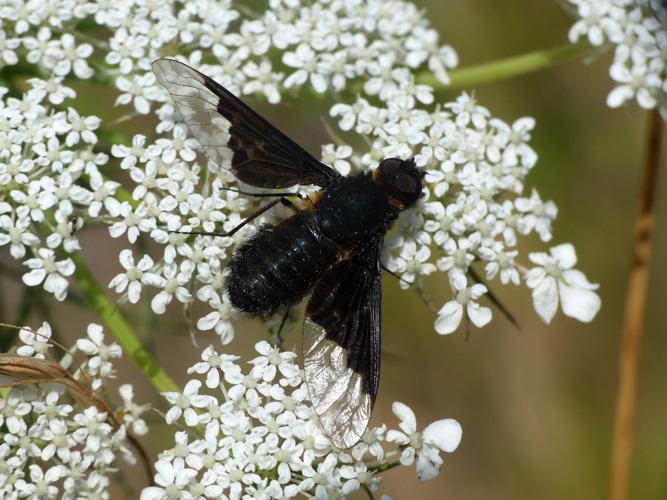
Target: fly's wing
point(341, 345)
point(234, 136)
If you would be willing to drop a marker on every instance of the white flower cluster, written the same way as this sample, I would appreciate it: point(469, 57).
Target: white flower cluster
point(50, 446)
point(253, 434)
point(49, 181)
point(638, 30)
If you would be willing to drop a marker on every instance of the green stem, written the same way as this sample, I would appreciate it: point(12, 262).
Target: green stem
point(507, 68)
point(115, 322)
point(384, 467)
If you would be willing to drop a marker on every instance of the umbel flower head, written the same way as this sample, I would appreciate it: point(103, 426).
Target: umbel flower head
point(59, 438)
point(253, 433)
point(638, 31)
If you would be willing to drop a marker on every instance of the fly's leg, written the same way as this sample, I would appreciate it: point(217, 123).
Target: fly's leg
point(282, 200)
point(247, 220)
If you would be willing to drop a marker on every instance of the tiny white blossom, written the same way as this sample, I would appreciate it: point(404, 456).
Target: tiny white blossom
point(135, 276)
point(441, 435)
point(555, 278)
point(449, 317)
point(45, 268)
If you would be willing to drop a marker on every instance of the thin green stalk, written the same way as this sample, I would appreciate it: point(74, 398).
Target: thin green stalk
point(384, 467)
point(121, 330)
point(507, 68)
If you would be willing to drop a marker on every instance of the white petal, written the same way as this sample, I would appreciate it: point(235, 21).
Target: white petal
point(619, 95)
point(134, 292)
point(575, 278)
point(479, 315)
point(160, 301)
point(565, 255)
point(126, 259)
point(152, 493)
point(34, 277)
point(579, 303)
point(405, 415)
point(445, 434)
point(535, 277)
point(449, 318)
point(545, 299)
point(96, 333)
point(213, 378)
point(208, 321)
point(172, 415)
point(86, 346)
point(394, 436)
point(428, 464)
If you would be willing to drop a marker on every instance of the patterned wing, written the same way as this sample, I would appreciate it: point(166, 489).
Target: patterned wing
point(234, 136)
point(341, 345)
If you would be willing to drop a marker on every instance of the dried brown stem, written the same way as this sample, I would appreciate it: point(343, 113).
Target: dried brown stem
point(633, 322)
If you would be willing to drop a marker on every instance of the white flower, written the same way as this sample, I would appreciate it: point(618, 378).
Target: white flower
point(412, 263)
point(218, 319)
point(638, 81)
point(99, 354)
point(137, 152)
point(36, 343)
point(262, 80)
point(15, 231)
point(132, 411)
point(134, 222)
point(555, 278)
point(441, 435)
point(171, 477)
point(40, 485)
point(337, 157)
point(139, 90)
point(305, 60)
point(212, 363)
point(135, 276)
point(70, 57)
point(271, 361)
point(46, 269)
point(449, 317)
point(638, 33)
point(56, 91)
point(185, 402)
point(173, 285)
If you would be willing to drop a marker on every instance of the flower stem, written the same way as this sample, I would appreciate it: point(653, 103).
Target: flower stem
point(507, 68)
point(120, 328)
point(384, 467)
point(633, 322)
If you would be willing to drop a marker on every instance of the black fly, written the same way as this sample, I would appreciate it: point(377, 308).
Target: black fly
point(329, 248)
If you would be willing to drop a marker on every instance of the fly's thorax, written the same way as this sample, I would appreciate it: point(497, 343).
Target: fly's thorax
point(353, 210)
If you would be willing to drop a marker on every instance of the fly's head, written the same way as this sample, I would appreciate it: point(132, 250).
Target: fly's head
point(401, 180)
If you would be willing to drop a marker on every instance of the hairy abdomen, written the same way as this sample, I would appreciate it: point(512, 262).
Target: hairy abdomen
point(279, 265)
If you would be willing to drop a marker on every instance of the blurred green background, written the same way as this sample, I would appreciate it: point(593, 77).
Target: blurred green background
point(536, 405)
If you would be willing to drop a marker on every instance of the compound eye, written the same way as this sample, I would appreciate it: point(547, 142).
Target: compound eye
point(406, 184)
point(390, 165)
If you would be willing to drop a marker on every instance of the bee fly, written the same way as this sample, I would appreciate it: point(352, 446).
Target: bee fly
point(329, 247)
